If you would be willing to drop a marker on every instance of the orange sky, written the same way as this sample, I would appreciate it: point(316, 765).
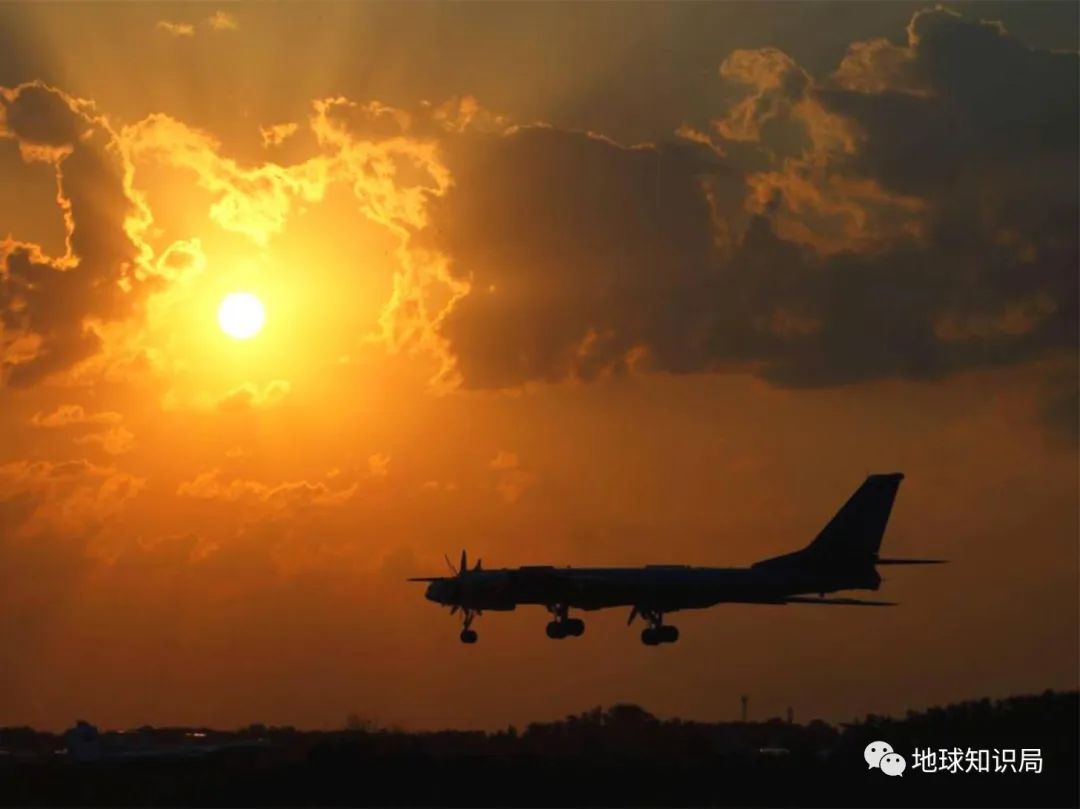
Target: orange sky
point(570, 285)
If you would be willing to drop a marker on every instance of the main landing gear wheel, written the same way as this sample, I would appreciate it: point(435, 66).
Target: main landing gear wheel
point(562, 626)
point(570, 628)
point(654, 636)
point(468, 636)
point(657, 631)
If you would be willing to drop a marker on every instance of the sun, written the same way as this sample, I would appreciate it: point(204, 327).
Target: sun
point(241, 315)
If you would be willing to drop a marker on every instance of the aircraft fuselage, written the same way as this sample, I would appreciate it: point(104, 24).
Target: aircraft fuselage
point(663, 588)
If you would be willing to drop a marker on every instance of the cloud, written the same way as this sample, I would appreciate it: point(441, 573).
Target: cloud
point(985, 103)
point(164, 553)
point(285, 496)
point(255, 202)
point(512, 479)
point(181, 261)
point(115, 441)
point(66, 497)
point(71, 414)
point(250, 396)
point(219, 21)
point(777, 88)
point(574, 248)
point(222, 21)
point(176, 29)
point(379, 465)
point(243, 398)
point(910, 216)
point(52, 308)
point(438, 486)
point(276, 134)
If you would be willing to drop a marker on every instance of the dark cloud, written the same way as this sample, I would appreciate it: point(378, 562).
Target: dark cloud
point(985, 130)
point(47, 303)
point(990, 141)
point(576, 248)
point(976, 100)
point(36, 114)
point(950, 164)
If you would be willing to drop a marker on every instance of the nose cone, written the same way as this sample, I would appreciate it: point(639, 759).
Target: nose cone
point(437, 592)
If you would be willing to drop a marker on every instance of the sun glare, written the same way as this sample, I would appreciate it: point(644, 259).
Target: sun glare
point(241, 315)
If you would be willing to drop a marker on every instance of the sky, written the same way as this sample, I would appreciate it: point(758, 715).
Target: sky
point(568, 284)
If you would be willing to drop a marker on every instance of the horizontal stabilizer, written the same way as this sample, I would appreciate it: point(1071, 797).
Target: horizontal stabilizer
point(427, 578)
point(911, 561)
point(849, 602)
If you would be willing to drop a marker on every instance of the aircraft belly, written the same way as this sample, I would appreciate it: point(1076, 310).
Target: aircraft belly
point(664, 589)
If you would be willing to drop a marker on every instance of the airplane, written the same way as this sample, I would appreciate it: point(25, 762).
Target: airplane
point(843, 556)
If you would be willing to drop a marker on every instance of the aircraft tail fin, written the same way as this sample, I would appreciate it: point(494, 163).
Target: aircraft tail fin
point(854, 534)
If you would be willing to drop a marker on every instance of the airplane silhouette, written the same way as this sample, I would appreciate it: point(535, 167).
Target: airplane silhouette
point(843, 556)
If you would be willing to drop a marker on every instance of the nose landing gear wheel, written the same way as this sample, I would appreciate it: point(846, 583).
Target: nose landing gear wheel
point(556, 630)
point(468, 636)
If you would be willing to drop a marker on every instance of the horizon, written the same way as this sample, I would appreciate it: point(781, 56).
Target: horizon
point(370, 725)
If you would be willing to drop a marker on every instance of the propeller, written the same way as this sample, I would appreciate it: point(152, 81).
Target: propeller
point(456, 572)
point(463, 565)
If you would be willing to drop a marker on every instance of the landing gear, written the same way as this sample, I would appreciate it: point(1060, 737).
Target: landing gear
point(657, 631)
point(570, 628)
point(562, 626)
point(468, 635)
point(654, 636)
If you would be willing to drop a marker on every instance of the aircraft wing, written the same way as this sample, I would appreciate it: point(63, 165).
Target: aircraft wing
point(850, 602)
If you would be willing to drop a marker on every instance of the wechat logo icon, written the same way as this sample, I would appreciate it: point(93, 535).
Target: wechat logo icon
point(882, 756)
